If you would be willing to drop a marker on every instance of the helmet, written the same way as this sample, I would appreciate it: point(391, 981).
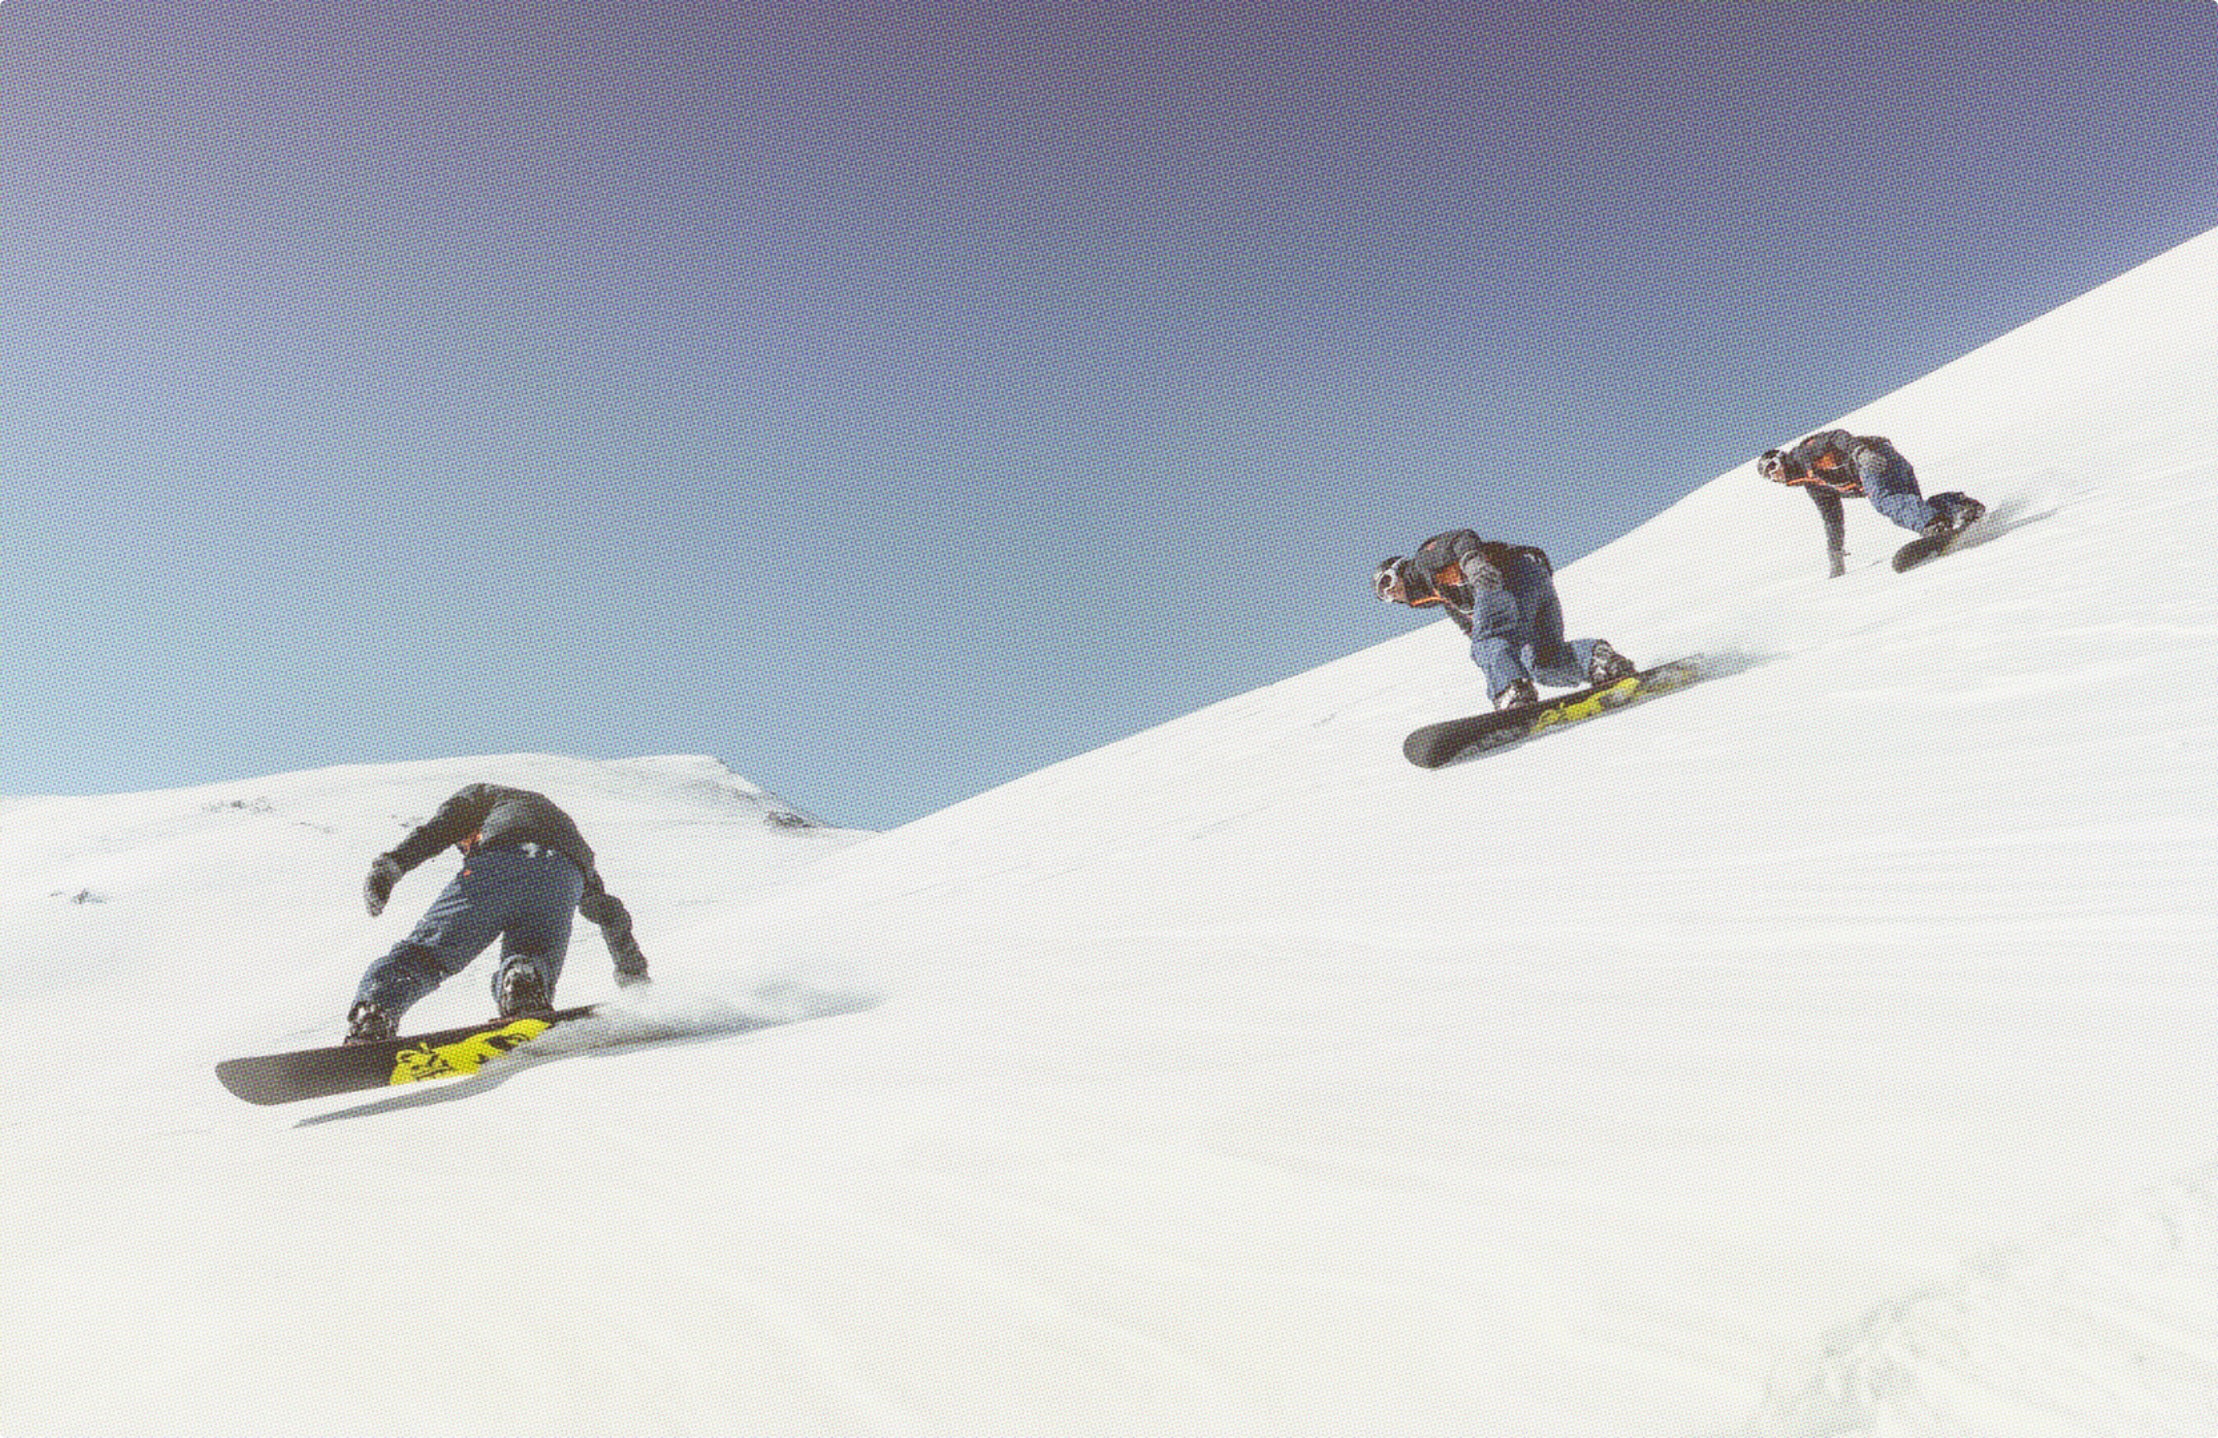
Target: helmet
point(1391, 575)
point(1776, 466)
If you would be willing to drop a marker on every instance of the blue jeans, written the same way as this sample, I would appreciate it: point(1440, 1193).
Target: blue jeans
point(524, 897)
point(1892, 486)
point(1517, 631)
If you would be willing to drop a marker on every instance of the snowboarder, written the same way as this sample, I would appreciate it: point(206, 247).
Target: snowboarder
point(1504, 597)
point(525, 870)
point(1835, 465)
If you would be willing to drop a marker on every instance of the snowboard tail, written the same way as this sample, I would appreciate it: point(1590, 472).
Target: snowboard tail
point(349, 1068)
point(1451, 739)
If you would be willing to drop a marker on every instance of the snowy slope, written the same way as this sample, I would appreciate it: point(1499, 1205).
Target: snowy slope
point(1827, 1049)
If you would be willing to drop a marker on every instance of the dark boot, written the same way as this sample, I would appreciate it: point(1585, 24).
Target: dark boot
point(1520, 691)
point(522, 989)
point(1958, 512)
point(369, 1024)
point(1606, 666)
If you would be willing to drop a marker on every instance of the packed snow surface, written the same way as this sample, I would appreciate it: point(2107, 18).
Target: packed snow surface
point(1830, 1048)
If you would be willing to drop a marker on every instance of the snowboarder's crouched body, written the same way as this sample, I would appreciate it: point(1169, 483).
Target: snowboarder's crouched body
point(1504, 597)
point(526, 871)
point(1834, 465)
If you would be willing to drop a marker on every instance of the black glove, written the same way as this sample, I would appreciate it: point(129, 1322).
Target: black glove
point(631, 965)
point(1837, 562)
point(385, 872)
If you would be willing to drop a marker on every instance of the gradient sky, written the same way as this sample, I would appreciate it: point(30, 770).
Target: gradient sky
point(892, 398)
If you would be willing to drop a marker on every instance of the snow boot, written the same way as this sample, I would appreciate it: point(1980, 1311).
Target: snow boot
point(1606, 666)
point(369, 1024)
point(1959, 512)
point(1521, 691)
point(521, 989)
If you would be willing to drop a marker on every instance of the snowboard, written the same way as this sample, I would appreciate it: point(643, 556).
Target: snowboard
point(347, 1068)
point(1924, 547)
point(1438, 744)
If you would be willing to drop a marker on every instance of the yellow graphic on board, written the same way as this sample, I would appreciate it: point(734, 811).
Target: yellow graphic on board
point(426, 1061)
point(1588, 707)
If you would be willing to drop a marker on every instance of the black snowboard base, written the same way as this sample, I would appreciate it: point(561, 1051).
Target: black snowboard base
point(1451, 739)
point(1924, 547)
point(348, 1068)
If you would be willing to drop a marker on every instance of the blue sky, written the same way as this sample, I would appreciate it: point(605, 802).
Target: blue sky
point(892, 398)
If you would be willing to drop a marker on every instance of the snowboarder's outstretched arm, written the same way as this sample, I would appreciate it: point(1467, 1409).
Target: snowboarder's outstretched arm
point(1836, 530)
point(456, 821)
point(1816, 464)
point(601, 907)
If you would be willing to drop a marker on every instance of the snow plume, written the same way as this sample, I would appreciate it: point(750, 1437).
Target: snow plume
point(658, 1013)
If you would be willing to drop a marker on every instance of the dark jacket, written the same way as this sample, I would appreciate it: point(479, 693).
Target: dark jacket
point(1832, 460)
point(488, 816)
point(1450, 569)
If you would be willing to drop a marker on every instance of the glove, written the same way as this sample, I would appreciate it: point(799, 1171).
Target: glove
point(1836, 563)
point(631, 965)
point(384, 873)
